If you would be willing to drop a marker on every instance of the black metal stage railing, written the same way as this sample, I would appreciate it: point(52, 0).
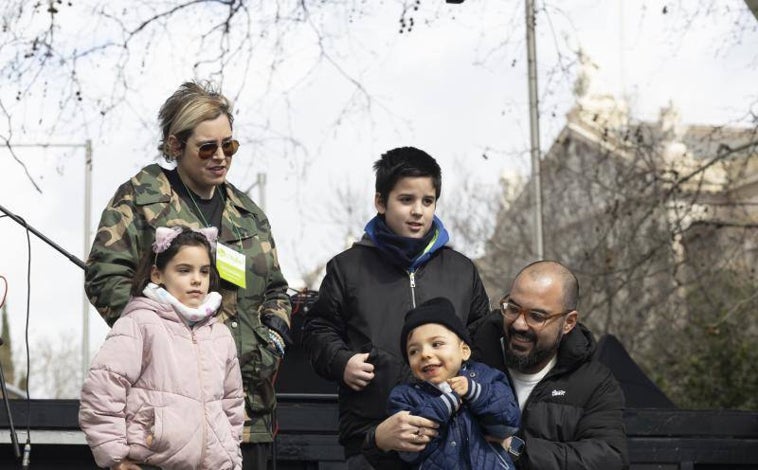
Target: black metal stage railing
point(307, 439)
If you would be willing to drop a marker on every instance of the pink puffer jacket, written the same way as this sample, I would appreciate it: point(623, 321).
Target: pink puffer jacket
point(154, 376)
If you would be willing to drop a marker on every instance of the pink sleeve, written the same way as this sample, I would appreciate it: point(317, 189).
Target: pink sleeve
point(103, 398)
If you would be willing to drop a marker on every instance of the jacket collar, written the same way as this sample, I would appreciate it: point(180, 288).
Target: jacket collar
point(439, 242)
point(151, 186)
point(164, 311)
point(576, 348)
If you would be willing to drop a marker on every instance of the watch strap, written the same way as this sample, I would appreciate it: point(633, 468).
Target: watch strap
point(516, 447)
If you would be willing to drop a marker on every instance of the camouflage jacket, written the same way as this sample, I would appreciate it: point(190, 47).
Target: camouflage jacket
point(126, 231)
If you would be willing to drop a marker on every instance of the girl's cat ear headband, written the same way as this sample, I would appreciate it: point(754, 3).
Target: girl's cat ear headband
point(165, 235)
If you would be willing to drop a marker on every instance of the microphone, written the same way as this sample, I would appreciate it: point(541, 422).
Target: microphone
point(25, 460)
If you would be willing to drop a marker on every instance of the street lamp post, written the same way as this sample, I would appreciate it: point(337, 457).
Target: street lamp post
point(534, 127)
point(260, 183)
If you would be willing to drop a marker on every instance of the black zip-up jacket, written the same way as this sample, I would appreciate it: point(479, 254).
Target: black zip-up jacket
point(361, 307)
point(573, 419)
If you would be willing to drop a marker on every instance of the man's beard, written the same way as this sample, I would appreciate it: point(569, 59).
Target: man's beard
point(536, 356)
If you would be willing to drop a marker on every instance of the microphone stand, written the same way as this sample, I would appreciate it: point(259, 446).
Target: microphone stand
point(14, 437)
point(39, 235)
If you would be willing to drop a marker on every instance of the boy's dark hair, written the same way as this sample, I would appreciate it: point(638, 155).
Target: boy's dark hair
point(404, 162)
point(187, 237)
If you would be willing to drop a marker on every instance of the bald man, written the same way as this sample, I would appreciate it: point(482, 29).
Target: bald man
point(572, 406)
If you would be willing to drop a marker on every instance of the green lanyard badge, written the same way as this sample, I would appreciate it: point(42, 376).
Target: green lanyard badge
point(230, 264)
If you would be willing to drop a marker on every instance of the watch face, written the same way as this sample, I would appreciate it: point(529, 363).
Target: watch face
point(517, 446)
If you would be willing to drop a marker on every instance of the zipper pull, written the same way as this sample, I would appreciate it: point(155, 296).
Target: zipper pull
point(412, 275)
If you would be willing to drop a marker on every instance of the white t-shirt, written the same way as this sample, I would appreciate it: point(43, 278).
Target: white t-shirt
point(523, 384)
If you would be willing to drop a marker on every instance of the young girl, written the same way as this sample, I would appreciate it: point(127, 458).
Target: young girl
point(165, 389)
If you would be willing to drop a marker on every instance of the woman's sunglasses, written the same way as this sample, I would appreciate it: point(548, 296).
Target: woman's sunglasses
point(209, 149)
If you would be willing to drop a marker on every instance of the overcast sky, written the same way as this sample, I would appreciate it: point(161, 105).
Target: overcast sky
point(455, 86)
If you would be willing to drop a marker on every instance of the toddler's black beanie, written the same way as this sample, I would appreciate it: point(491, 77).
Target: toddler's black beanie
point(437, 310)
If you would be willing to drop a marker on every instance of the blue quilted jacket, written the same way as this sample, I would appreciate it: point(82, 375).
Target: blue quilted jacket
point(489, 408)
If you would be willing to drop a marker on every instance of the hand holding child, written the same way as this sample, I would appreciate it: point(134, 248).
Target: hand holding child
point(405, 432)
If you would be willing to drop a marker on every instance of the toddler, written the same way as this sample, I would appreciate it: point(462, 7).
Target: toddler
point(468, 399)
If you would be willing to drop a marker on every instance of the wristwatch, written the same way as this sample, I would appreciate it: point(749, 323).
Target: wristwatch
point(369, 443)
point(516, 447)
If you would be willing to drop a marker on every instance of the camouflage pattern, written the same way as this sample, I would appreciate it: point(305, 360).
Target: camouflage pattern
point(126, 231)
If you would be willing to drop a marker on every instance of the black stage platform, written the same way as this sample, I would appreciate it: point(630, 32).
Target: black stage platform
point(658, 438)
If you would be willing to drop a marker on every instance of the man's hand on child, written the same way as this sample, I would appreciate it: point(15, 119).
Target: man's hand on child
point(459, 385)
point(358, 373)
point(405, 432)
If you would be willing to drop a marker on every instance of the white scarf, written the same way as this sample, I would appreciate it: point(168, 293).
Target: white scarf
point(191, 315)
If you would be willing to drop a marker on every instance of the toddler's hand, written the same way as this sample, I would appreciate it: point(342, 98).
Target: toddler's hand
point(459, 385)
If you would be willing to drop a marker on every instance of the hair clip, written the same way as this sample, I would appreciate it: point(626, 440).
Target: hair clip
point(163, 238)
point(210, 234)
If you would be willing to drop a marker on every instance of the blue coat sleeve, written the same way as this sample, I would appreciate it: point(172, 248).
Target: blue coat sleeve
point(490, 399)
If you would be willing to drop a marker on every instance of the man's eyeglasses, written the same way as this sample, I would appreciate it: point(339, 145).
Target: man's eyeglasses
point(209, 149)
point(533, 318)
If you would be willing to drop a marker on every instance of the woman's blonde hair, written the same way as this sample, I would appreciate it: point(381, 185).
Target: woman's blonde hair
point(193, 103)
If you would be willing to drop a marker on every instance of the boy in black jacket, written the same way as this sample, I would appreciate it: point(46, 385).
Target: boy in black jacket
point(350, 334)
